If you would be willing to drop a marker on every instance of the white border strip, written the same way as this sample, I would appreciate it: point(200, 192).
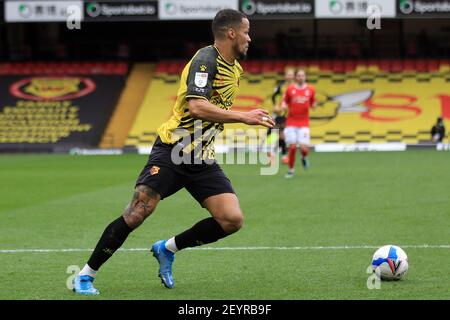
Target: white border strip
point(419, 246)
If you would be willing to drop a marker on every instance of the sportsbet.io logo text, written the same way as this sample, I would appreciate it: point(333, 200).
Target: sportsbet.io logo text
point(250, 7)
point(417, 7)
point(94, 9)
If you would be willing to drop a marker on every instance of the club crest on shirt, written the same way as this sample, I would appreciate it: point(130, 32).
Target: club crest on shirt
point(154, 170)
point(201, 78)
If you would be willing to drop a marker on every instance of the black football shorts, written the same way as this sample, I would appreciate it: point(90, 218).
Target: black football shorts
point(164, 177)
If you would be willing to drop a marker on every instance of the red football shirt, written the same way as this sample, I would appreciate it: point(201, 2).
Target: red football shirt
point(299, 100)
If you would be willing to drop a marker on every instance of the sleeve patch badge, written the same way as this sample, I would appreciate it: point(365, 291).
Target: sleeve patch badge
point(201, 79)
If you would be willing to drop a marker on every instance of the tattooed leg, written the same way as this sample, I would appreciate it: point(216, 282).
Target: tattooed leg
point(141, 206)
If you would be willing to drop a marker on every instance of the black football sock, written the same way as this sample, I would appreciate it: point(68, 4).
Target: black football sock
point(111, 240)
point(203, 232)
point(283, 148)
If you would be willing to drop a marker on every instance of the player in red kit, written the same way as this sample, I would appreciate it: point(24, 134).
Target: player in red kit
point(297, 100)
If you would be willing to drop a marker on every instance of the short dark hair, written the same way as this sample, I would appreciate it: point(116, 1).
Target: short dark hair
point(224, 19)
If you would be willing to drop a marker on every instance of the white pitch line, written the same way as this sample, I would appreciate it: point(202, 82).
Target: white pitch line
point(419, 246)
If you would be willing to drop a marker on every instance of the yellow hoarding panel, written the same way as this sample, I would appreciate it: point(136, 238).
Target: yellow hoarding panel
point(356, 107)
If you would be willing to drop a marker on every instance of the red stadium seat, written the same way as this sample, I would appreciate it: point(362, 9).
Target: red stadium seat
point(180, 66)
point(279, 66)
point(172, 67)
point(122, 69)
point(62, 68)
point(409, 65)
point(244, 65)
point(325, 65)
point(350, 65)
point(433, 65)
point(162, 67)
point(396, 65)
point(267, 66)
point(254, 66)
point(421, 65)
point(301, 63)
point(338, 66)
point(385, 65)
point(291, 63)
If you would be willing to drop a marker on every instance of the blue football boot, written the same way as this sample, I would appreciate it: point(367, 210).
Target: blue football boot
point(83, 285)
point(165, 258)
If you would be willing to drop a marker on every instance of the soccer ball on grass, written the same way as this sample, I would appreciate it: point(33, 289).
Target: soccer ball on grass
point(390, 262)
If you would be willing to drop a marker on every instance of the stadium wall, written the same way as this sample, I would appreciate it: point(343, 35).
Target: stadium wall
point(56, 106)
point(360, 102)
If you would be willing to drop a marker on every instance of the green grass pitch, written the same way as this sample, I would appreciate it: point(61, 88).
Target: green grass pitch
point(344, 199)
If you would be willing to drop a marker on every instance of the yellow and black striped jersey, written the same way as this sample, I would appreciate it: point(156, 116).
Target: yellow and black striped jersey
point(206, 76)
